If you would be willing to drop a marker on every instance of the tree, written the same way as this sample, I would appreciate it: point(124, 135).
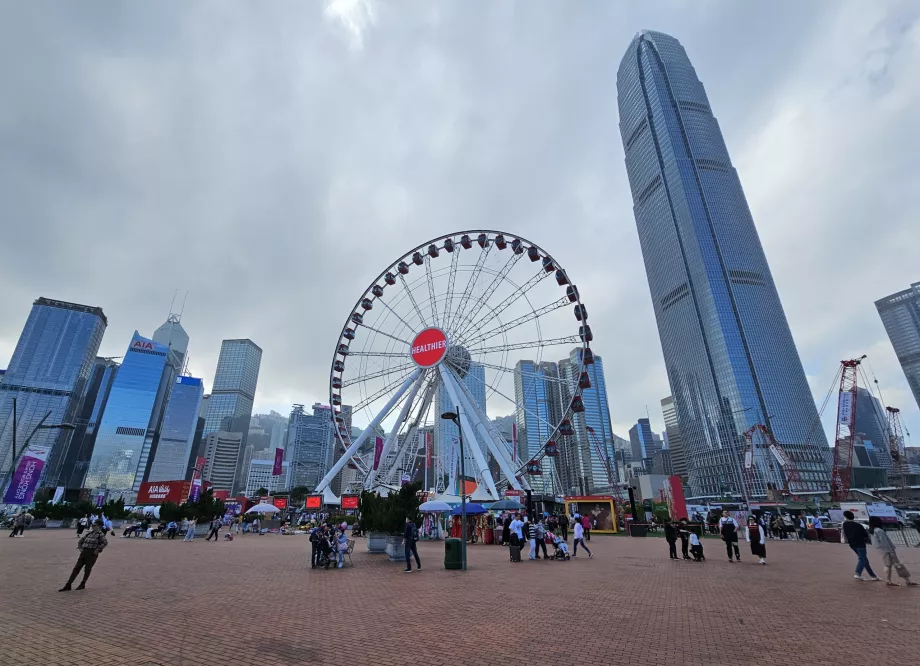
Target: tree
point(298, 494)
point(206, 508)
point(262, 491)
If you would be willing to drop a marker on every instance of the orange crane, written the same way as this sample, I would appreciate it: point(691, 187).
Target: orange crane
point(845, 439)
point(791, 477)
point(896, 447)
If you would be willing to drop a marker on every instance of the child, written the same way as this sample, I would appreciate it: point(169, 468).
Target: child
point(889, 555)
point(696, 548)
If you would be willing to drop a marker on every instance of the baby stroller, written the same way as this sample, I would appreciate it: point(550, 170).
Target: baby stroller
point(561, 551)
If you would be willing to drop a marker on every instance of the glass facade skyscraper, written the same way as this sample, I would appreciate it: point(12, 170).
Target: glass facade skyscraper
point(234, 386)
point(308, 449)
point(539, 409)
point(729, 353)
point(47, 375)
point(900, 315)
point(87, 422)
point(675, 441)
point(177, 430)
point(871, 424)
point(640, 439)
point(129, 416)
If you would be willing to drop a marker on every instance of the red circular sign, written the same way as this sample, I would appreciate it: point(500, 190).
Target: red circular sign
point(429, 347)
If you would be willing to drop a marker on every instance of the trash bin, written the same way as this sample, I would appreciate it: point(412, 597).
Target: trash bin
point(453, 555)
point(638, 530)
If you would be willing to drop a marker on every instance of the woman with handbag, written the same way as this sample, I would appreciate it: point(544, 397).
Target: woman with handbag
point(890, 559)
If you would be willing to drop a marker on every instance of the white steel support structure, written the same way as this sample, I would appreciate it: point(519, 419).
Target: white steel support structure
point(351, 450)
point(394, 433)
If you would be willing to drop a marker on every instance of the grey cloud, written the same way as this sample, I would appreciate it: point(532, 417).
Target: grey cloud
point(265, 163)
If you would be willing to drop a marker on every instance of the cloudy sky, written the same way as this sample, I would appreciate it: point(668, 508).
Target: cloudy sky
point(271, 158)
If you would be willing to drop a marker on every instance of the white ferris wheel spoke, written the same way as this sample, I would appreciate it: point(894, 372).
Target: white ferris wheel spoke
point(375, 353)
point(388, 443)
point(518, 293)
point(412, 432)
point(384, 333)
point(532, 344)
point(452, 277)
point(434, 301)
point(543, 377)
point(498, 278)
point(384, 304)
point(372, 427)
point(469, 433)
point(468, 290)
point(411, 296)
point(520, 321)
point(377, 374)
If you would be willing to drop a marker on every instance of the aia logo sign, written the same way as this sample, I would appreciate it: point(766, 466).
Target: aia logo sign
point(142, 344)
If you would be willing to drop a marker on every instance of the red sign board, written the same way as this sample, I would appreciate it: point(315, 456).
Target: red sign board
point(221, 494)
point(349, 501)
point(511, 492)
point(280, 502)
point(429, 347)
point(314, 501)
point(157, 492)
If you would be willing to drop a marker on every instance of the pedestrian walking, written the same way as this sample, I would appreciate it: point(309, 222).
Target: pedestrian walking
point(890, 558)
point(530, 532)
point(215, 530)
point(803, 529)
point(858, 539)
point(82, 524)
point(819, 527)
point(90, 545)
point(586, 524)
point(541, 540)
point(683, 532)
point(22, 519)
point(580, 539)
point(190, 530)
point(315, 536)
point(564, 526)
point(670, 535)
point(410, 537)
point(756, 536)
point(728, 528)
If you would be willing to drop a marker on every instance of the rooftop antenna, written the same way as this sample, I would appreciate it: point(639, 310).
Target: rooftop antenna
point(184, 298)
point(173, 302)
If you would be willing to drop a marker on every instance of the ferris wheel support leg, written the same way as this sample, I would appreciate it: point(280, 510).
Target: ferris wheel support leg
point(497, 451)
point(351, 450)
point(388, 444)
point(468, 431)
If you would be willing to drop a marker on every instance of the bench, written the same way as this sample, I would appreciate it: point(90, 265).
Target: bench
point(351, 548)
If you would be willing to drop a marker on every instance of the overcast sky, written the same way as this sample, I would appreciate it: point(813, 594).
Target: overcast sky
point(272, 158)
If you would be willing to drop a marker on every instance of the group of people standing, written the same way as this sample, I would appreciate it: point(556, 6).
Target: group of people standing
point(518, 529)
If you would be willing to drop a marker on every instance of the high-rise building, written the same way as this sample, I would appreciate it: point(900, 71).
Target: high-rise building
point(641, 441)
point(309, 445)
point(446, 434)
point(871, 423)
point(584, 468)
point(223, 451)
point(260, 476)
point(539, 410)
point(234, 386)
point(728, 350)
point(131, 417)
point(675, 441)
point(177, 431)
point(273, 425)
point(87, 422)
point(900, 315)
point(47, 376)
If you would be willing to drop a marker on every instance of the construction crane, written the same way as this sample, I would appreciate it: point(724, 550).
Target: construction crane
point(896, 448)
point(845, 439)
point(790, 478)
point(611, 480)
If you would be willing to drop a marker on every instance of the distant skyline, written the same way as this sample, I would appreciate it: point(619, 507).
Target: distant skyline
point(145, 164)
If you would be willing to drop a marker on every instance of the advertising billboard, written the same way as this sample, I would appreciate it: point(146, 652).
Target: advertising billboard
point(349, 502)
point(280, 502)
point(25, 478)
point(597, 507)
point(314, 501)
point(157, 492)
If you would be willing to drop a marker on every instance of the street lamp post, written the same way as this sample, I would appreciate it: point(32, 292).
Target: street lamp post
point(455, 417)
point(14, 460)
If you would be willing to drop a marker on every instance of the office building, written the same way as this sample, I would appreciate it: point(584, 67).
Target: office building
point(730, 356)
point(223, 454)
point(641, 440)
point(308, 450)
point(234, 386)
point(587, 460)
point(539, 410)
point(660, 463)
point(675, 442)
point(87, 422)
point(446, 435)
point(47, 376)
point(900, 315)
point(177, 431)
point(871, 423)
point(273, 425)
point(131, 416)
point(260, 476)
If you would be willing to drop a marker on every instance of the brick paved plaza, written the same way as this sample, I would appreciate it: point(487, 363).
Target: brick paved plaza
point(168, 602)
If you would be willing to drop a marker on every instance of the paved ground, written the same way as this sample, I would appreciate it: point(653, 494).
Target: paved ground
point(167, 602)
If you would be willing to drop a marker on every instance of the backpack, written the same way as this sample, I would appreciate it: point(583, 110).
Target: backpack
point(413, 532)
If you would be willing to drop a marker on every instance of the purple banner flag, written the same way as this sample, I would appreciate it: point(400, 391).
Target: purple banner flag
point(196, 491)
point(279, 458)
point(378, 451)
point(25, 479)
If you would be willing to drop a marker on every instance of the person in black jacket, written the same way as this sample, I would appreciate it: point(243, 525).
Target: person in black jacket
point(858, 539)
point(670, 535)
point(683, 531)
point(410, 536)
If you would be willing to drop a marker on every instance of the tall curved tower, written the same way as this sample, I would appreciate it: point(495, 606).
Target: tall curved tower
point(730, 356)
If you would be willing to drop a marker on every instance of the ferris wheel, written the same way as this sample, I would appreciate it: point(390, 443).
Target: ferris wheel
point(483, 324)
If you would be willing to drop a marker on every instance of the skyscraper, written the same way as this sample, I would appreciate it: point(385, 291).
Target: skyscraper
point(675, 442)
point(177, 431)
point(900, 315)
point(584, 468)
point(641, 441)
point(539, 410)
point(224, 453)
point(131, 416)
point(47, 376)
point(309, 445)
point(871, 424)
point(234, 386)
point(728, 350)
point(87, 422)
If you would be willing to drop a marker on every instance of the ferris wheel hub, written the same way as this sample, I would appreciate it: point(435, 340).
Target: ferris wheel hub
point(429, 347)
point(459, 359)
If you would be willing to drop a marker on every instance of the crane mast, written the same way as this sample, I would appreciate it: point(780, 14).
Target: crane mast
point(845, 439)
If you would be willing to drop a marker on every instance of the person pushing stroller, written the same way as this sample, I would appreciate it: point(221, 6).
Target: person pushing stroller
point(561, 551)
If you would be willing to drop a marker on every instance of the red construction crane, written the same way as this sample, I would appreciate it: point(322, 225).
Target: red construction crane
point(896, 447)
point(611, 479)
point(792, 480)
point(845, 439)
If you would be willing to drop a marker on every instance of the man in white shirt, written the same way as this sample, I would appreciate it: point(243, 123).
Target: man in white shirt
point(580, 539)
point(517, 529)
point(728, 528)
